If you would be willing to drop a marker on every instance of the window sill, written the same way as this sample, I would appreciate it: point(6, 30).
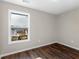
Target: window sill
point(19, 41)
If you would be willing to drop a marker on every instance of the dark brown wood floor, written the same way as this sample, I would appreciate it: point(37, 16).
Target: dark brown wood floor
point(53, 51)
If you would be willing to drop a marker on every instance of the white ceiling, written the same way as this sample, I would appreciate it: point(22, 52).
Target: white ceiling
point(50, 6)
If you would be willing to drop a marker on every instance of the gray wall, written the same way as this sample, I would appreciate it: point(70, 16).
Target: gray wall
point(0, 29)
point(69, 28)
point(42, 28)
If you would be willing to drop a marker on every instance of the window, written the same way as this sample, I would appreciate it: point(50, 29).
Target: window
point(19, 26)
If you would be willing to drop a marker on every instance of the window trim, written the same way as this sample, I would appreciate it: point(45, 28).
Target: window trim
point(9, 26)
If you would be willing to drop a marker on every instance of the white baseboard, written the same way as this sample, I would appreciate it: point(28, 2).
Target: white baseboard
point(69, 45)
point(6, 54)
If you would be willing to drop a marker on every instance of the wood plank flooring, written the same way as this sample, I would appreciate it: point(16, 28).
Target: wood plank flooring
point(53, 51)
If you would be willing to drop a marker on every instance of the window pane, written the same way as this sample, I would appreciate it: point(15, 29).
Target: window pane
point(18, 26)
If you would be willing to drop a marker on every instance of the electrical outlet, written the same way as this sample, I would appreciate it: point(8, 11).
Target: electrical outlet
point(39, 41)
point(72, 41)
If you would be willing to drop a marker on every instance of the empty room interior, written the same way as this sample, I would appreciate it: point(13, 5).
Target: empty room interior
point(39, 29)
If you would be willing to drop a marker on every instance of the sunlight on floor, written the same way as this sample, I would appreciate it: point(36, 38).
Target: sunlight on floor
point(39, 58)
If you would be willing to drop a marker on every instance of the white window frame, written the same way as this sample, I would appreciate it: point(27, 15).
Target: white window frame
point(9, 26)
